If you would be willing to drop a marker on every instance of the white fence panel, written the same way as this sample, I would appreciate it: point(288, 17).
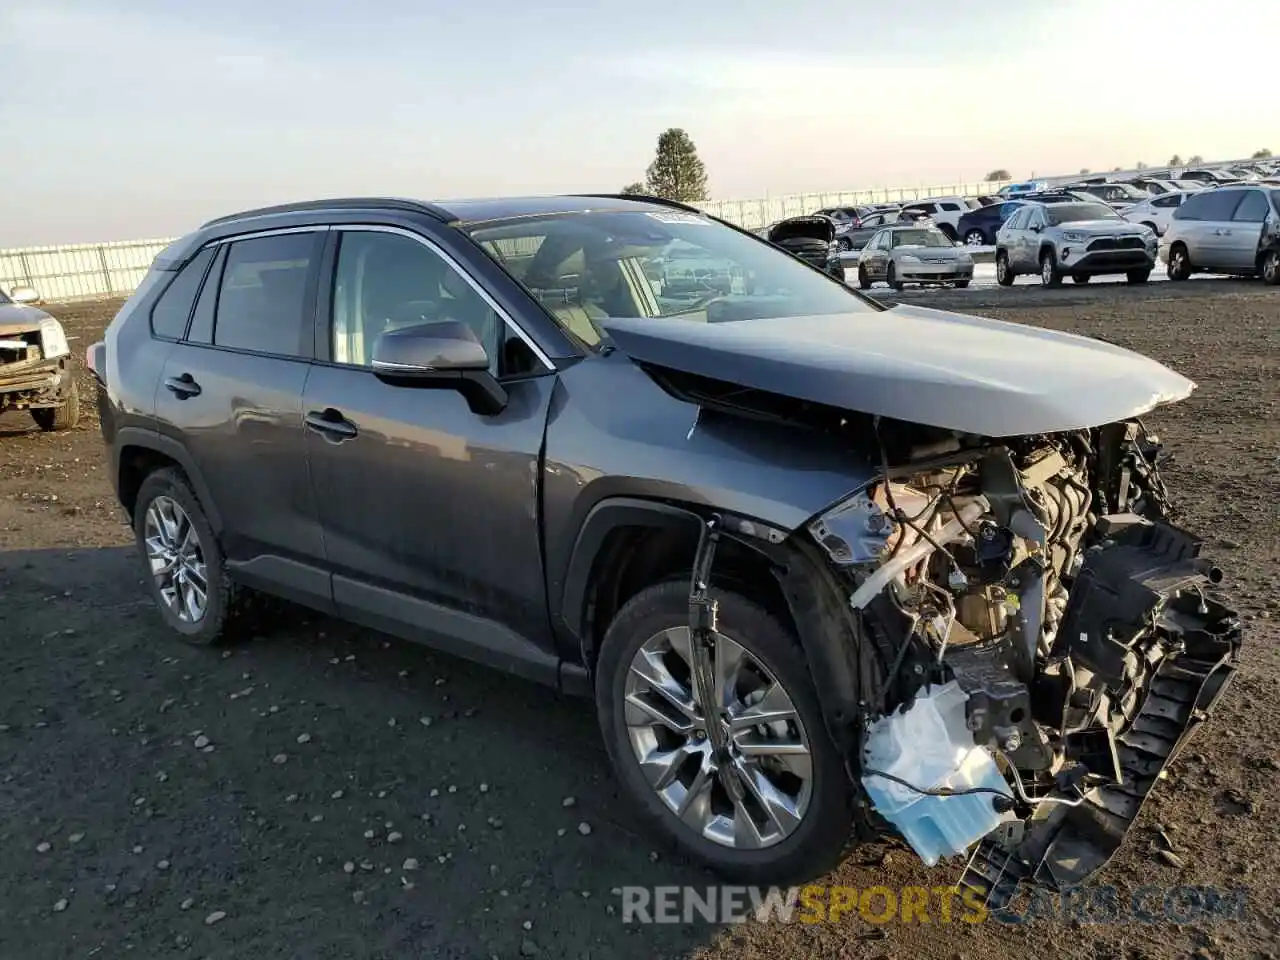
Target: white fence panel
point(79, 271)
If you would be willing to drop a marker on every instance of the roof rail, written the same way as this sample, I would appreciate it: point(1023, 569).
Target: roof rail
point(661, 201)
point(339, 203)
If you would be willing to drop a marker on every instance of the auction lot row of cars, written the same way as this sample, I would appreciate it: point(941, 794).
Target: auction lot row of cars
point(1197, 221)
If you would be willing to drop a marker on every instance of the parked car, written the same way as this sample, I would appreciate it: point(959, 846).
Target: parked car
point(944, 211)
point(1010, 190)
point(36, 370)
point(1208, 175)
point(846, 219)
point(977, 228)
point(1157, 212)
point(914, 215)
point(856, 238)
point(989, 199)
point(1156, 187)
point(728, 524)
point(1231, 230)
point(813, 240)
point(925, 255)
point(1120, 196)
point(1080, 240)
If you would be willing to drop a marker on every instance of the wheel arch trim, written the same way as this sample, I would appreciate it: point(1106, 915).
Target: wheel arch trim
point(138, 437)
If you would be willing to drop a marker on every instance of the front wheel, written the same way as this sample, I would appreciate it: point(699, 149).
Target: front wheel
point(1080, 278)
point(864, 281)
point(62, 417)
point(1138, 276)
point(893, 280)
point(1004, 272)
point(744, 776)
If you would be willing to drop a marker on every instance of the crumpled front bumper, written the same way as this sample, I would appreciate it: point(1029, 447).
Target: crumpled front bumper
point(35, 383)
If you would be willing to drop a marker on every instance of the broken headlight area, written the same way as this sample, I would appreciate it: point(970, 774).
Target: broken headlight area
point(1050, 641)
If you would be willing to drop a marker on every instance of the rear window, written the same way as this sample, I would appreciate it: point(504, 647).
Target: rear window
point(1209, 205)
point(262, 298)
point(1253, 208)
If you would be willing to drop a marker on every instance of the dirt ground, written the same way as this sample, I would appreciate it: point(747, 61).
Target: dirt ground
point(325, 792)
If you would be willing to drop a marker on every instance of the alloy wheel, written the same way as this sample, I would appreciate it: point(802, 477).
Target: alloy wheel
point(974, 238)
point(733, 762)
point(1271, 269)
point(1046, 271)
point(175, 557)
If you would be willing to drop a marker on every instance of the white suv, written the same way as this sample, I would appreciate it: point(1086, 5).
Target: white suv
point(1156, 213)
point(945, 212)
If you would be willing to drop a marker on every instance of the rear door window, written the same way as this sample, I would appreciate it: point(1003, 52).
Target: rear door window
point(1211, 205)
point(1168, 200)
point(266, 290)
point(1253, 208)
point(171, 312)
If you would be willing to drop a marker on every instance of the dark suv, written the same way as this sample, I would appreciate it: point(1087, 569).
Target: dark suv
point(759, 524)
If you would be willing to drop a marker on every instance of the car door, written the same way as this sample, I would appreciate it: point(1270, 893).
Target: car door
point(1243, 236)
point(876, 257)
point(231, 395)
point(429, 509)
point(1213, 230)
point(1018, 229)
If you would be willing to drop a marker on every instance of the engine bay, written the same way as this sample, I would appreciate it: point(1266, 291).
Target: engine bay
point(1044, 578)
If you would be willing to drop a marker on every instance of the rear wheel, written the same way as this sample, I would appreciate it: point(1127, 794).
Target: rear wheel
point(1179, 263)
point(1270, 269)
point(62, 417)
point(961, 284)
point(1050, 275)
point(1004, 272)
point(845, 244)
point(182, 561)
point(974, 238)
point(742, 776)
point(1138, 276)
point(864, 281)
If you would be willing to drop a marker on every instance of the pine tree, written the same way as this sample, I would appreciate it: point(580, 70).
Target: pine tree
point(634, 189)
point(677, 173)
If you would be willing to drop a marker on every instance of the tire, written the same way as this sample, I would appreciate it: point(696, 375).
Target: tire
point(1269, 269)
point(892, 279)
point(62, 417)
point(1004, 273)
point(1050, 275)
point(864, 281)
point(224, 600)
point(1081, 278)
point(975, 238)
point(1179, 263)
point(818, 840)
point(1138, 276)
point(962, 284)
point(845, 244)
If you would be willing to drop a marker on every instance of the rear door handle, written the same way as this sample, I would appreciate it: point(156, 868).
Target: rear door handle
point(182, 386)
point(331, 425)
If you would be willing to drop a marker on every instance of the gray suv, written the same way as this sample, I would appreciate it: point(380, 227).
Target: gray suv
point(759, 526)
point(1231, 230)
point(1080, 240)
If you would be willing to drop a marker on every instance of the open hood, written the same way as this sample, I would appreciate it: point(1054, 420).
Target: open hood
point(931, 367)
point(803, 228)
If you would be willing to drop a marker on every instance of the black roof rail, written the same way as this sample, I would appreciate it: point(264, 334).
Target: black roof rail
point(661, 201)
point(338, 203)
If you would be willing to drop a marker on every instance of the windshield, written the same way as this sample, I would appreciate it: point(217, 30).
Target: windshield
point(587, 267)
point(920, 238)
point(1073, 212)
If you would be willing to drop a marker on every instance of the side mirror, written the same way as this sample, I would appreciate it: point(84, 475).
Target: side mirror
point(1037, 228)
point(24, 295)
point(441, 354)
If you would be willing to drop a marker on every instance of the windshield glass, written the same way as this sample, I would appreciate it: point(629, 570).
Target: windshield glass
point(920, 238)
point(1072, 212)
point(587, 267)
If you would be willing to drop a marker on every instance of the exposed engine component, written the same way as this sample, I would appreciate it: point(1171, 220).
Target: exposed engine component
point(1041, 578)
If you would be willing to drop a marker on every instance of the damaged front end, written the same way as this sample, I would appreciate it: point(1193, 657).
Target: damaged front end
point(1049, 640)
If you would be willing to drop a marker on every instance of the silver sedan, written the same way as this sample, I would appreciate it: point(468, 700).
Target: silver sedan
point(902, 255)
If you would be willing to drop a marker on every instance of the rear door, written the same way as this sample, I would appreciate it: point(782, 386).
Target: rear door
point(430, 509)
point(1244, 234)
point(231, 394)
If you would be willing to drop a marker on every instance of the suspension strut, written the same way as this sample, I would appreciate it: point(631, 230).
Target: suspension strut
point(703, 617)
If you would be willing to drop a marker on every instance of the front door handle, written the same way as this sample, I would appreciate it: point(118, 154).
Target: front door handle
point(331, 425)
point(182, 386)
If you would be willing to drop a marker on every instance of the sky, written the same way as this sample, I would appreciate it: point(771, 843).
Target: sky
point(128, 119)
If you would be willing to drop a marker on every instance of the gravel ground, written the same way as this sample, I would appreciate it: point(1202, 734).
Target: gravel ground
point(326, 792)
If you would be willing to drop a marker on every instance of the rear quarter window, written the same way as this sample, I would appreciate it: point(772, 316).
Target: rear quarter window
point(172, 310)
